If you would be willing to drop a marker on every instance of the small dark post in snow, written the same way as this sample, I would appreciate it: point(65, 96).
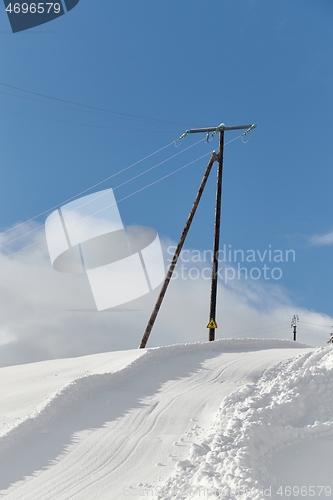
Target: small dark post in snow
point(219, 158)
point(294, 320)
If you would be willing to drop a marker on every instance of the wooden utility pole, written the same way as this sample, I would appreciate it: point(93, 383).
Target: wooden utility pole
point(213, 297)
point(177, 253)
point(215, 264)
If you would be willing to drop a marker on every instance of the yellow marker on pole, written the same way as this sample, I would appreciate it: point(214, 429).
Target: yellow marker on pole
point(212, 324)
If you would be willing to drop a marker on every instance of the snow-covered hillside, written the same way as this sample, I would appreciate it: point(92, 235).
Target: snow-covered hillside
point(243, 419)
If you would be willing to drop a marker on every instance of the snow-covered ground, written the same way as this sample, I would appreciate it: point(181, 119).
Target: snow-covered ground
point(232, 419)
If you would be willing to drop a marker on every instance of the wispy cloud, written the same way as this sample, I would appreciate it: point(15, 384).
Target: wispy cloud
point(45, 314)
point(323, 240)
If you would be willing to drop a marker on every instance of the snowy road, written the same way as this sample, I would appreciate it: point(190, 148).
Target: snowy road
point(116, 425)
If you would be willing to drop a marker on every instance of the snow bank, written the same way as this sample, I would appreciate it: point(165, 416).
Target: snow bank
point(290, 402)
point(108, 370)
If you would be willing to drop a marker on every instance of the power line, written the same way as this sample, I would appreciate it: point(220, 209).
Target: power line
point(263, 332)
point(313, 331)
point(144, 118)
point(107, 115)
point(91, 187)
point(119, 201)
point(260, 328)
point(315, 324)
point(102, 194)
point(84, 124)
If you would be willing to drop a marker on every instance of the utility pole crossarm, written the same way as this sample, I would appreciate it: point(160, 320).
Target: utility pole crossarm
point(220, 128)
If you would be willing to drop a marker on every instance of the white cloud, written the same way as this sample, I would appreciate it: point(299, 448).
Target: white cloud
point(45, 314)
point(323, 240)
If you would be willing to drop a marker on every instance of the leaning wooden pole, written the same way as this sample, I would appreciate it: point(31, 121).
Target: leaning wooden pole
point(172, 266)
point(216, 246)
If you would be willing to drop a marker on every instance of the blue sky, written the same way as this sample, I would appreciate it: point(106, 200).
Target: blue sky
point(185, 63)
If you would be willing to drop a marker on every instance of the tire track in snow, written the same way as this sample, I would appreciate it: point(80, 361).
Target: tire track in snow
point(290, 403)
point(131, 412)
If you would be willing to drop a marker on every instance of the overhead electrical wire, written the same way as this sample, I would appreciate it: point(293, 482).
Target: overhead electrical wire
point(315, 324)
point(104, 113)
point(260, 328)
point(138, 175)
point(105, 180)
point(89, 188)
point(158, 180)
point(102, 194)
point(82, 124)
point(119, 201)
point(111, 112)
point(312, 331)
point(85, 124)
point(267, 330)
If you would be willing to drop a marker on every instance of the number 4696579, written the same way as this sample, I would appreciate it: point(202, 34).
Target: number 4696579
point(304, 491)
point(34, 8)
